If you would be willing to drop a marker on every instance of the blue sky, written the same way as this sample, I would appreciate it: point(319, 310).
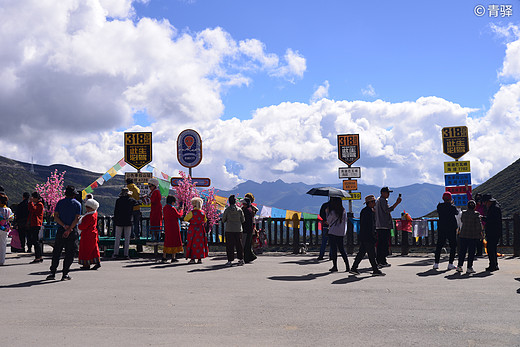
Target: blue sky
point(402, 49)
point(267, 84)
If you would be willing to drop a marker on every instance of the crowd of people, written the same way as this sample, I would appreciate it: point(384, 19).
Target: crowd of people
point(480, 223)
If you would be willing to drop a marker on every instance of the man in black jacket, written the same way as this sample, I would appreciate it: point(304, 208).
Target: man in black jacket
point(493, 229)
point(446, 229)
point(367, 237)
point(22, 215)
point(123, 212)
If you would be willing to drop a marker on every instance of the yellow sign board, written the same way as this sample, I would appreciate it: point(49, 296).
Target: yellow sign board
point(457, 166)
point(138, 148)
point(353, 196)
point(349, 184)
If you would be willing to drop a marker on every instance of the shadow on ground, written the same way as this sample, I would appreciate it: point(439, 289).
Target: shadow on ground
point(308, 277)
point(463, 276)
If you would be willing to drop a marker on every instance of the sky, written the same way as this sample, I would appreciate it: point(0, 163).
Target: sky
point(267, 84)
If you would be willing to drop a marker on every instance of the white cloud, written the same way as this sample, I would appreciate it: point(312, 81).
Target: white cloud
point(321, 92)
point(69, 84)
point(369, 91)
point(296, 66)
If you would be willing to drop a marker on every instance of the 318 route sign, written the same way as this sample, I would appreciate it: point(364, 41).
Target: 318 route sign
point(348, 148)
point(455, 141)
point(138, 148)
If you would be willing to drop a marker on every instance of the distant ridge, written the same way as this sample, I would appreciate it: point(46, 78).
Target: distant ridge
point(418, 199)
point(505, 187)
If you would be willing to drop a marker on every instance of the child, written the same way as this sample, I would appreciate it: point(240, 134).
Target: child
point(172, 232)
point(197, 246)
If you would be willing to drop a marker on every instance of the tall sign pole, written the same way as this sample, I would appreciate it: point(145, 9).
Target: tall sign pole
point(455, 143)
point(348, 152)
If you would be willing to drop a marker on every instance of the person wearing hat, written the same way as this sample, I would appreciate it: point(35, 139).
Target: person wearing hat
point(156, 215)
point(493, 229)
point(384, 224)
point(123, 211)
point(470, 233)
point(446, 229)
point(134, 192)
point(66, 215)
point(367, 237)
point(88, 242)
point(197, 240)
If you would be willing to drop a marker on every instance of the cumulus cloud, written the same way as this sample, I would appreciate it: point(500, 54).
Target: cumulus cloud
point(511, 65)
point(69, 85)
point(321, 92)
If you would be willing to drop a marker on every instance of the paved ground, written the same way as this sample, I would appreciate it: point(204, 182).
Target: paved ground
point(279, 300)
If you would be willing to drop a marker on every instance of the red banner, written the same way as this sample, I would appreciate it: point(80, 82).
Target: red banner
point(458, 189)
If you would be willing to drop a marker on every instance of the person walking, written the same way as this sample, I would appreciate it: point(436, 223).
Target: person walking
point(136, 211)
point(172, 231)
point(384, 224)
point(66, 215)
point(493, 229)
point(6, 217)
point(21, 221)
point(447, 229)
point(233, 218)
point(88, 243)
point(367, 237)
point(197, 245)
point(470, 232)
point(154, 200)
point(248, 226)
point(35, 208)
point(123, 211)
point(337, 220)
point(324, 231)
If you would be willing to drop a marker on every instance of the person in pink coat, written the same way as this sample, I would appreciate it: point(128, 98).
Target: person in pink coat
point(88, 243)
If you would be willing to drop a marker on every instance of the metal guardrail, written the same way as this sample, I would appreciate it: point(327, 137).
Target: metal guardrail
point(282, 235)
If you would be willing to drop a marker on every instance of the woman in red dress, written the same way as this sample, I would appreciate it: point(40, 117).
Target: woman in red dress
point(88, 243)
point(156, 216)
point(172, 231)
point(197, 246)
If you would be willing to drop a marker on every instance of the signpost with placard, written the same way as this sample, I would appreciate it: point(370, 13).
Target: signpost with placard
point(455, 141)
point(353, 196)
point(348, 148)
point(197, 181)
point(349, 172)
point(138, 148)
point(349, 184)
point(457, 166)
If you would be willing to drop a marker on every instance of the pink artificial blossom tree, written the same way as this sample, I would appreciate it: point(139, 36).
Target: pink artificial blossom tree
point(52, 191)
point(186, 190)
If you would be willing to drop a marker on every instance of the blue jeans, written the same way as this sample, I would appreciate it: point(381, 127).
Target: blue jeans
point(324, 239)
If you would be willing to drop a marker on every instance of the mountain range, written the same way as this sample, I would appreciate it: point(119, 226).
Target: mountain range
point(418, 199)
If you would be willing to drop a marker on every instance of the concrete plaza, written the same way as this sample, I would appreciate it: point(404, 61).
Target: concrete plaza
point(279, 300)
